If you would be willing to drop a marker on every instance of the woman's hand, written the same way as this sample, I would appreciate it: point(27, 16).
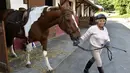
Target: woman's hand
point(76, 42)
point(106, 44)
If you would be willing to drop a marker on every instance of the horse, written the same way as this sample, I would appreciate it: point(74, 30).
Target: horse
point(39, 30)
point(14, 19)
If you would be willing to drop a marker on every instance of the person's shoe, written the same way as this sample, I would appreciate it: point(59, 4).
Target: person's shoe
point(100, 69)
point(86, 70)
point(89, 64)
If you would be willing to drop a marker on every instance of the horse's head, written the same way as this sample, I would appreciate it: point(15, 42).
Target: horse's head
point(68, 23)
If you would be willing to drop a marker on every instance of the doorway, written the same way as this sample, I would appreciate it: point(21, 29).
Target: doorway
point(49, 2)
point(3, 5)
point(2, 8)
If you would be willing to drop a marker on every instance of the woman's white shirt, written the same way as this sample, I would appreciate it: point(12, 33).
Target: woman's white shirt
point(97, 36)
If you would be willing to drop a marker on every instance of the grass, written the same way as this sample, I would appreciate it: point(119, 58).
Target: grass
point(121, 16)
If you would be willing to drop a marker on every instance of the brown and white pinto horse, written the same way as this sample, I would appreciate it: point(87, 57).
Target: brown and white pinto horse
point(64, 17)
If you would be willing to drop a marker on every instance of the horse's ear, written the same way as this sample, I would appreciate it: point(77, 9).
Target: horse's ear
point(59, 6)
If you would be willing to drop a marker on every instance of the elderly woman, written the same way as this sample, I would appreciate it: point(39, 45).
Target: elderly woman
point(98, 38)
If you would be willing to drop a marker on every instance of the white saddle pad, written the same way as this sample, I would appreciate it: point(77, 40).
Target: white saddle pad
point(33, 16)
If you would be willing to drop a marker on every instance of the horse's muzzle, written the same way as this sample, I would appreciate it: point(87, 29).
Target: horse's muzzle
point(74, 38)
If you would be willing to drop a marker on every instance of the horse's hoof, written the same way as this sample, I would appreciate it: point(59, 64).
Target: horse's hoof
point(28, 65)
point(13, 56)
point(50, 71)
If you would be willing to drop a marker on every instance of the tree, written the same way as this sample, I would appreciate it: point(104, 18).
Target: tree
point(128, 7)
point(107, 4)
point(122, 6)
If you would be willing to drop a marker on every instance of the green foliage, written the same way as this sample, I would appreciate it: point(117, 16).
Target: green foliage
point(123, 6)
point(116, 5)
point(107, 4)
point(122, 2)
point(122, 10)
point(128, 9)
point(121, 16)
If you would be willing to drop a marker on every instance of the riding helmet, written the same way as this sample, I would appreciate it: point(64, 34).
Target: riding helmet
point(100, 16)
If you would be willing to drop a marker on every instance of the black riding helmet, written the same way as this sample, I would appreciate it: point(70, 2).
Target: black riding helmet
point(100, 16)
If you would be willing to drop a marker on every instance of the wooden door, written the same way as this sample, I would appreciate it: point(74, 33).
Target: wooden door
point(3, 51)
point(33, 3)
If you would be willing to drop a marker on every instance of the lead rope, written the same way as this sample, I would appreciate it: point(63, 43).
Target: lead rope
point(109, 53)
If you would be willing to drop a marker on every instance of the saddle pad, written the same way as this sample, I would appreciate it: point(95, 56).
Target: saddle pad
point(34, 14)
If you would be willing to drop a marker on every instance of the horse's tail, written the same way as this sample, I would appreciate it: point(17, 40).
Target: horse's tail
point(6, 13)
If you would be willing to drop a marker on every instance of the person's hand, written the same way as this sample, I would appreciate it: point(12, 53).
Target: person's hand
point(76, 42)
point(107, 44)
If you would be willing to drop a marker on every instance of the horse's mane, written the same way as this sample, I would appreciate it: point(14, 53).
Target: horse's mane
point(64, 18)
point(66, 11)
point(53, 8)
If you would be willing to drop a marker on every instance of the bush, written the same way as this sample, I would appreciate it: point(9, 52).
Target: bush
point(122, 10)
point(128, 9)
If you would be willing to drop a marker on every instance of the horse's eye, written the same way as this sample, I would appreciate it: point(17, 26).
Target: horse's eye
point(68, 20)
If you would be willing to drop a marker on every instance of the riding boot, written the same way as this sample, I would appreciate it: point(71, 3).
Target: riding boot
point(89, 64)
point(100, 69)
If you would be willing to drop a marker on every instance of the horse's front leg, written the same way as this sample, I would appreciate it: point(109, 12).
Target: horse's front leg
point(47, 61)
point(44, 44)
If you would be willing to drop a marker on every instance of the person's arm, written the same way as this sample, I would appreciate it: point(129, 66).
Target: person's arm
point(108, 35)
point(107, 42)
point(83, 37)
point(87, 34)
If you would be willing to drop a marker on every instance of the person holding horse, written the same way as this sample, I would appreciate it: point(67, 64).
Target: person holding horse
point(98, 38)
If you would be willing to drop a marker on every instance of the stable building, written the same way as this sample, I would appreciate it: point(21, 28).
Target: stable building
point(84, 10)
